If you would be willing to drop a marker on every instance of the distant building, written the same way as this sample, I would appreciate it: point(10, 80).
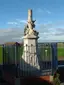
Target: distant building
point(11, 43)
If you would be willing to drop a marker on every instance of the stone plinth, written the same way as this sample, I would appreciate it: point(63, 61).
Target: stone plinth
point(30, 54)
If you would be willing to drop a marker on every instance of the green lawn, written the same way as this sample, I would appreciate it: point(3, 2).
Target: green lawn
point(60, 52)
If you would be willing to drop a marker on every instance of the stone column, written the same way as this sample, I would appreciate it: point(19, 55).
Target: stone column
point(29, 15)
point(30, 19)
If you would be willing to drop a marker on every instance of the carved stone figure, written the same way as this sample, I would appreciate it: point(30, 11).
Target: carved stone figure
point(30, 25)
point(26, 30)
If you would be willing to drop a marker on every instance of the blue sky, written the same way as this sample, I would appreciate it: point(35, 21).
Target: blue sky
point(49, 15)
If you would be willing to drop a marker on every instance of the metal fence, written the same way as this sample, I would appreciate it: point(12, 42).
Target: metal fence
point(11, 54)
point(45, 53)
point(1, 54)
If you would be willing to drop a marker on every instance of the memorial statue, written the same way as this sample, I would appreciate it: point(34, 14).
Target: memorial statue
point(30, 25)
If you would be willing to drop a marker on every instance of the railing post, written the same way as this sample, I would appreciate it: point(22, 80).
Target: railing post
point(54, 57)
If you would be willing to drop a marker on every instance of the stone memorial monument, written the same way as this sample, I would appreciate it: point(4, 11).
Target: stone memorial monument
point(30, 52)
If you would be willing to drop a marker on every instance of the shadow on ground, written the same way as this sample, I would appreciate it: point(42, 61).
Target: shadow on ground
point(60, 70)
point(34, 81)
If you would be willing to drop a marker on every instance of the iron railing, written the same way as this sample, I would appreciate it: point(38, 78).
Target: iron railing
point(12, 55)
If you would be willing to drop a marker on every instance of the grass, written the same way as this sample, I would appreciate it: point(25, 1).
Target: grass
point(60, 52)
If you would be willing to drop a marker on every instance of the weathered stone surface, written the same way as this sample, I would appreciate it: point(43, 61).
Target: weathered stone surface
point(30, 54)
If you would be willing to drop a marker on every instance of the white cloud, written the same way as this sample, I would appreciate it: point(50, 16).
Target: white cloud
point(39, 10)
point(17, 38)
point(17, 23)
point(23, 21)
point(44, 10)
point(47, 31)
point(51, 32)
point(12, 23)
point(48, 11)
point(12, 34)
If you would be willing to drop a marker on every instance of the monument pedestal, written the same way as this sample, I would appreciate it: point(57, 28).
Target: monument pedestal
point(30, 53)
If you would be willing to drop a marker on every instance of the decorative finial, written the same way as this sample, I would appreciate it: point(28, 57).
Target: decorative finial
point(29, 15)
